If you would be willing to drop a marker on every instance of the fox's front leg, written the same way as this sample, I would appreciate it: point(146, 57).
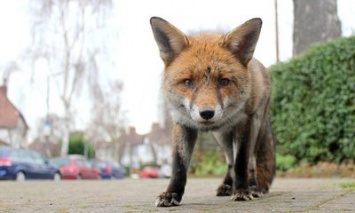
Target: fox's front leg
point(245, 183)
point(241, 190)
point(225, 141)
point(243, 150)
point(184, 140)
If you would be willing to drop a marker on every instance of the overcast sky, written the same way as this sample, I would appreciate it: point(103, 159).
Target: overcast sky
point(138, 64)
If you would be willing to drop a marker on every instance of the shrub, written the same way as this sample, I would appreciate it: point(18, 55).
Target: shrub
point(283, 163)
point(208, 163)
point(77, 146)
point(313, 103)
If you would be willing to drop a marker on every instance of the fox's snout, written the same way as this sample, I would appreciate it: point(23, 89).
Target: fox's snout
point(206, 114)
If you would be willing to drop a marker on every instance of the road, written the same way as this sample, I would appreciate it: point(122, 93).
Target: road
point(138, 195)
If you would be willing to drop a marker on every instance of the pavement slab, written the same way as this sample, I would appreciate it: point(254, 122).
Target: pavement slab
point(138, 195)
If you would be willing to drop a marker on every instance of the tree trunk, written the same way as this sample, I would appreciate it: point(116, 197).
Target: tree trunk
point(314, 21)
point(66, 132)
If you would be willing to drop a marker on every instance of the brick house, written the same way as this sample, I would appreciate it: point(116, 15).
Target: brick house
point(154, 147)
point(13, 126)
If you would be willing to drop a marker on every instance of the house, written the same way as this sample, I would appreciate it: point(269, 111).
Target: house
point(13, 126)
point(151, 148)
point(160, 141)
point(46, 148)
point(48, 140)
point(105, 150)
point(2, 143)
point(132, 144)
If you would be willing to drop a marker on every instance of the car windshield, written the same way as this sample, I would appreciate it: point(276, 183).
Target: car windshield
point(3, 151)
point(60, 161)
point(115, 164)
point(99, 164)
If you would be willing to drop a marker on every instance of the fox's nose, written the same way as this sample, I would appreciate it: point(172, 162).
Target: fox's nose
point(207, 113)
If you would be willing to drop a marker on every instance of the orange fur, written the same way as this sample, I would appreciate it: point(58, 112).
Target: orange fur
point(213, 83)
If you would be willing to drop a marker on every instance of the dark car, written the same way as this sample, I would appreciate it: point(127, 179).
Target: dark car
point(109, 169)
point(22, 164)
point(75, 167)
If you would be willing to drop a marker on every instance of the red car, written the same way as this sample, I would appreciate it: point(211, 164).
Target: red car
point(149, 172)
point(75, 167)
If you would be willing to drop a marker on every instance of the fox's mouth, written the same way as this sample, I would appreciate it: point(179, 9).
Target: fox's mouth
point(207, 123)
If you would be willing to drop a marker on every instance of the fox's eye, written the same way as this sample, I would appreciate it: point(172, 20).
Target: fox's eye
point(189, 83)
point(223, 82)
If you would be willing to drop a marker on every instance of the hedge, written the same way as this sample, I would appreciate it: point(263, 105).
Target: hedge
point(313, 103)
point(77, 146)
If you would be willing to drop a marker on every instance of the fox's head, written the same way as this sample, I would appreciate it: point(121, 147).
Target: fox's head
point(206, 78)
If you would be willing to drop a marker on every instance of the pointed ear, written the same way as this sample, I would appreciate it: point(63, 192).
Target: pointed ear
point(242, 40)
point(171, 41)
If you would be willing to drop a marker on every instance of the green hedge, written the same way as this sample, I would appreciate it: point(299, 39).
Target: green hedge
point(77, 146)
point(313, 103)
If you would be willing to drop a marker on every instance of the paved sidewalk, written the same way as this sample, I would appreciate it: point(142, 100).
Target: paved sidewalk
point(128, 195)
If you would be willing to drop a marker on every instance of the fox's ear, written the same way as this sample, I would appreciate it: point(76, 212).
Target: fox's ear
point(242, 40)
point(171, 41)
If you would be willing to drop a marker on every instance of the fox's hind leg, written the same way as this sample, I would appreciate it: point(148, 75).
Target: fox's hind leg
point(253, 181)
point(261, 152)
point(225, 140)
point(184, 140)
point(265, 163)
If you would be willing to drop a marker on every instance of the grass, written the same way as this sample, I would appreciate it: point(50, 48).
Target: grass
point(347, 185)
point(6, 209)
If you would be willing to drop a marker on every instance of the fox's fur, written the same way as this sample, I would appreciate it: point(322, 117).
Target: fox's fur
point(213, 83)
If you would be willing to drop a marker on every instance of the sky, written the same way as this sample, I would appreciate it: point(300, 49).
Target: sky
point(139, 66)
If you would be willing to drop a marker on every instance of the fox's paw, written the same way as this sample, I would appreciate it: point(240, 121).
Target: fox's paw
point(167, 199)
point(224, 190)
point(242, 195)
point(256, 192)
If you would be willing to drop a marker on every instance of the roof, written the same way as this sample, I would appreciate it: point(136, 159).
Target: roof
point(132, 137)
point(159, 134)
point(3, 143)
point(9, 114)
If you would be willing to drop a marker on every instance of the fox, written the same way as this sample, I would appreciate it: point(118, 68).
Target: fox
point(212, 82)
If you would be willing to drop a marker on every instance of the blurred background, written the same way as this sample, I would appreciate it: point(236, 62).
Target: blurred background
point(83, 77)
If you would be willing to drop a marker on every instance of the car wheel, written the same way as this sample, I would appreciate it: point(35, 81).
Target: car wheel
point(57, 177)
point(20, 176)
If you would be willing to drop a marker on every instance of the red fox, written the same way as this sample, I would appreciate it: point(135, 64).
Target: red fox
point(212, 83)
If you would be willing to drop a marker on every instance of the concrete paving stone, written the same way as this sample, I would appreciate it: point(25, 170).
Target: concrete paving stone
point(138, 195)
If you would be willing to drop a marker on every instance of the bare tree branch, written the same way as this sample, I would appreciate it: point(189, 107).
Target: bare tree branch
point(61, 31)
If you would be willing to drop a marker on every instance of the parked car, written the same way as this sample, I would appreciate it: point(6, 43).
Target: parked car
point(109, 169)
point(22, 164)
point(149, 172)
point(75, 167)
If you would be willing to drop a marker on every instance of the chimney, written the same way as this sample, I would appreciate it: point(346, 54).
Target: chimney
point(4, 86)
point(132, 130)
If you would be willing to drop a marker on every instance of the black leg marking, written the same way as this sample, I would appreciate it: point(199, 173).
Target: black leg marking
point(184, 142)
point(241, 183)
point(225, 189)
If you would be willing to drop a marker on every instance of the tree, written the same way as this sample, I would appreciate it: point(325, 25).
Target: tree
point(65, 34)
point(52, 134)
point(107, 118)
point(314, 21)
